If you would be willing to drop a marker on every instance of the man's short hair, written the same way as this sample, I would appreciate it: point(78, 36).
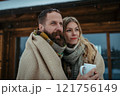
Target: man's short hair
point(43, 14)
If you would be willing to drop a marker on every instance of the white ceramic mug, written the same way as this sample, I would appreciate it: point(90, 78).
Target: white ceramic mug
point(86, 68)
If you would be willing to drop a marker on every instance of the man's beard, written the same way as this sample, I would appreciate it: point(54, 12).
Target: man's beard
point(56, 37)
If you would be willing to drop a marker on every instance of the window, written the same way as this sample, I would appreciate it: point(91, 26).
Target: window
point(115, 55)
point(99, 40)
point(20, 46)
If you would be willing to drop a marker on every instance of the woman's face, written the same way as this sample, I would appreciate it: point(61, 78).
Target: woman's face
point(72, 33)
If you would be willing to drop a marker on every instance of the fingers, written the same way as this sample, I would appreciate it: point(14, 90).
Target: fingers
point(84, 77)
point(92, 75)
point(98, 78)
point(79, 77)
point(91, 72)
point(95, 77)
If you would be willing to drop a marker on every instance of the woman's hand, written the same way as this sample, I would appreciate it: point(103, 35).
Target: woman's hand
point(89, 75)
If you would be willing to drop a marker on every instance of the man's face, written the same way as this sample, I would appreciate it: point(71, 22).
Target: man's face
point(53, 26)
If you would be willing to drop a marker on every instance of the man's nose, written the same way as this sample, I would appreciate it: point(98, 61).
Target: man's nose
point(60, 27)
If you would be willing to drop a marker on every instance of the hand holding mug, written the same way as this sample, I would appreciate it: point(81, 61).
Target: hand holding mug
point(88, 72)
point(86, 68)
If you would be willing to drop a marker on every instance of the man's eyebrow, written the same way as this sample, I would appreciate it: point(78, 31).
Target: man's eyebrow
point(53, 21)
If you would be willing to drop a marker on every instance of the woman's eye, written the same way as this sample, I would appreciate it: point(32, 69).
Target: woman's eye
point(68, 30)
point(77, 29)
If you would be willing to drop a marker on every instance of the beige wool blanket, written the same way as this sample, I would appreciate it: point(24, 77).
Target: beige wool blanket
point(39, 61)
point(99, 62)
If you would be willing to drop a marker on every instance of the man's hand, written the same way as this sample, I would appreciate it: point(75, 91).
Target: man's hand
point(89, 75)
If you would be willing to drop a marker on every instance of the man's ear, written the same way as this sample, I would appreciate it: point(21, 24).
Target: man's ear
point(41, 27)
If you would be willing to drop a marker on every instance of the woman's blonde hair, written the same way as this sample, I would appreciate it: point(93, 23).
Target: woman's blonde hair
point(89, 49)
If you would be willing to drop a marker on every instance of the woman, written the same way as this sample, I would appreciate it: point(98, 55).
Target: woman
point(79, 50)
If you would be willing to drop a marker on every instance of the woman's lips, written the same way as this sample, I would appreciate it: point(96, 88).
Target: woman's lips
point(73, 38)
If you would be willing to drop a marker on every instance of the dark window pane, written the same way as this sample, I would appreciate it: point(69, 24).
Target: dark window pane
point(99, 40)
point(20, 46)
point(115, 55)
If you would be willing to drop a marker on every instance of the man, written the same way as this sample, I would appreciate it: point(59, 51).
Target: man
point(41, 58)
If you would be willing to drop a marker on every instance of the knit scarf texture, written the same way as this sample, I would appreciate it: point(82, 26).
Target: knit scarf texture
point(58, 49)
point(74, 58)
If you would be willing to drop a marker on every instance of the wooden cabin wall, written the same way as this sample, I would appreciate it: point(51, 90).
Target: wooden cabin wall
point(94, 18)
point(1, 40)
point(99, 18)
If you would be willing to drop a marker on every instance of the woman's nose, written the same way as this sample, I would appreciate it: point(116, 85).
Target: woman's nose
point(74, 33)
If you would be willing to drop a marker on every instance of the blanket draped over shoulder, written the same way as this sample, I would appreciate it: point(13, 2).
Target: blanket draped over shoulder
point(39, 61)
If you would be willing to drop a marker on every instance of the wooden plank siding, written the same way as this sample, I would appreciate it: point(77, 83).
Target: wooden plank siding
point(0, 70)
point(101, 27)
point(0, 55)
point(1, 44)
point(109, 56)
point(11, 68)
point(1, 40)
point(5, 55)
point(1, 48)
